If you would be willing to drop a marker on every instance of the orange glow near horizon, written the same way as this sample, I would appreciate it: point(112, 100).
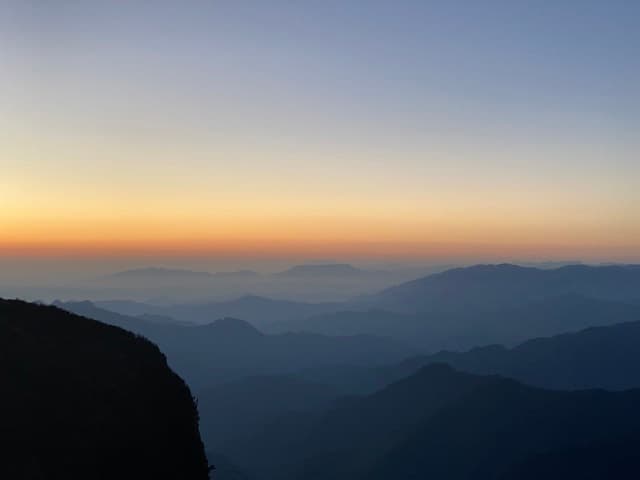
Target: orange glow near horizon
point(315, 237)
point(220, 136)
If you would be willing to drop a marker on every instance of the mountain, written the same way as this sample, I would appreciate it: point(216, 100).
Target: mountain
point(598, 460)
point(237, 409)
point(84, 399)
point(228, 348)
point(498, 286)
point(604, 357)
point(468, 328)
point(257, 310)
point(338, 270)
point(342, 441)
point(442, 424)
point(600, 357)
point(505, 429)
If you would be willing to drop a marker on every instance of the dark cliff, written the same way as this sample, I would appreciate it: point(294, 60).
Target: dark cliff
point(82, 399)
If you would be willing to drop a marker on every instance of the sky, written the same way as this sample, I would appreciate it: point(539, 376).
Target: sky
point(405, 131)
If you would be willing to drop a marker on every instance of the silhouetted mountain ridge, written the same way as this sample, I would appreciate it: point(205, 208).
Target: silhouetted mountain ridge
point(81, 398)
point(443, 424)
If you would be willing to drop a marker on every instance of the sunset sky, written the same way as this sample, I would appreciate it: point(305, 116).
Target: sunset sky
point(405, 130)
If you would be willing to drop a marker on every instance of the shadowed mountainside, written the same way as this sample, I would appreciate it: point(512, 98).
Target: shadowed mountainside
point(599, 357)
point(237, 409)
point(82, 399)
point(444, 424)
point(502, 428)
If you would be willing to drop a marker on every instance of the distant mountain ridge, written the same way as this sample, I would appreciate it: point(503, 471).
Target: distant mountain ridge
point(253, 308)
point(463, 329)
point(491, 286)
point(598, 357)
point(325, 270)
point(480, 288)
point(229, 348)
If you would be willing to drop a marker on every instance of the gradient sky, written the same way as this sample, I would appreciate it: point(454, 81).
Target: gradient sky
point(320, 129)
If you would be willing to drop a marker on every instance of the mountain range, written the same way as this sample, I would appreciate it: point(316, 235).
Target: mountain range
point(494, 314)
point(348, 390)
point(595, 358)
point(442, 424)
point(228, 348)
point(464, 329)
point(498, 286)
point(259, 311)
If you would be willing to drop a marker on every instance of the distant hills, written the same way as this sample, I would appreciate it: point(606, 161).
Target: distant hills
point(228, 348)
point(465, 328)
point(305, 282)
point(334, 270)
point(598, 357)
point(435, 288)
point(81, 398)
point(257, 310)
point(455, 309)
point(497, 286)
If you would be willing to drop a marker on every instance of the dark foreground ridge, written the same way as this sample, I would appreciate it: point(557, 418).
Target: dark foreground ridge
point(81, 399)
point(443, 424)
